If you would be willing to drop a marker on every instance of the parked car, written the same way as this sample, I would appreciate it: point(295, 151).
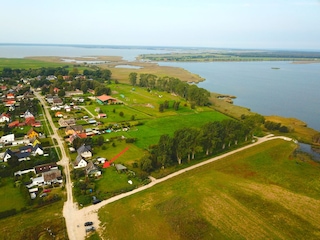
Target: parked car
point(90, 228)
point(88, 223)
point(43, 194)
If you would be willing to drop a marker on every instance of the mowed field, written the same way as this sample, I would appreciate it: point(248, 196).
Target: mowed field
point(265, 192)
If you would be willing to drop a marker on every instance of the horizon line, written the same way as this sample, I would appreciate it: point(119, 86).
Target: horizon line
point(152, 46)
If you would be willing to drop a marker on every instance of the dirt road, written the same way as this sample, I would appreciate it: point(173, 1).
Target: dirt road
point(90, 213)
point(75, 218)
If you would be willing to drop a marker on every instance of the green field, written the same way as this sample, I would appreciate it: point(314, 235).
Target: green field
point(34, 224)
point(150, 132)
point(25, 63)
point(262, 193)
point(10, 196)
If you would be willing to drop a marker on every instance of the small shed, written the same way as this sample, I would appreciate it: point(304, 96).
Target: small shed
point(120, 167)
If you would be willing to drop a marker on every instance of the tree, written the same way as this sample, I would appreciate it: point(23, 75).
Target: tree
point(176, 106)
point(13, 161)
point(146, 164)
point(180, 144)
point(161, 107)
point(61, 93)
point(121, 114)
point(100, 141)
point(163, 150)
point(133, 78)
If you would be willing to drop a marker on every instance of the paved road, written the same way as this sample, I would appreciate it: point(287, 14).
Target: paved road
point(75, 217)
point(69, 207)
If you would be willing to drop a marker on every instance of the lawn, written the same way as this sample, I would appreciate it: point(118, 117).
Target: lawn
point(264, 192)
point(113, 182)
point(10, 196)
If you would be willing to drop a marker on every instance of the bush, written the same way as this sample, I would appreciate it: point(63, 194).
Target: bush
point(8, 213)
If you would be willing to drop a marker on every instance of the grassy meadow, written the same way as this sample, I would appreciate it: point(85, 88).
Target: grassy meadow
point(265, 192)
point(35, 224)
point(10, 196)
point(25, 63)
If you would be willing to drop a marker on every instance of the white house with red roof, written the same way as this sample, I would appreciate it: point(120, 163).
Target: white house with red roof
point(4, 117)
point(105, 99)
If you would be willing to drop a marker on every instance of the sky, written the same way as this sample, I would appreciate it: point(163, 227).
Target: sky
point(251, 24)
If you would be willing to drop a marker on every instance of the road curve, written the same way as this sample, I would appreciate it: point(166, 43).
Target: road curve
point(75, 217)
point(91, 212)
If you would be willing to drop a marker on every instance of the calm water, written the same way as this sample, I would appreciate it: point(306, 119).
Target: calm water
point(291, 91)
point(20, 51)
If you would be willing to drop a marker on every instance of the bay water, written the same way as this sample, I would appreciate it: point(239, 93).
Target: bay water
point(268, 88)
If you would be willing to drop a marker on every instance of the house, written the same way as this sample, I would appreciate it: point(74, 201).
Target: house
point(9, 103)
point(30, 121)
point(49, 98)
point(67, 108)
point(28, 114)
point(84, 151)
point(32, 133)
point(34, 141)
point(105, 99)
point(51, 77)
point(37, 150)
point(75, 129)
point(52, 176)
point(56, 90)
point(13, 124)
point(74, 136)
point(79, 162)
point(10, 96)
point(8, 154)
point(23, 156)
point(92, 170)
point(4, 117)
point(66, 122)
point(57, 101)
point(36, 124)
point(45, 167)
point(7, 138)
point(27, 148)
point(102, 115)
point(58, 114)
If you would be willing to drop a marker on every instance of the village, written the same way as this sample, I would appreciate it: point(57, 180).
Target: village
point(30, 154)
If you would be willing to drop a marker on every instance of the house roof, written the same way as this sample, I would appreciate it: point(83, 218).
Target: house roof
point(21, 155)
point(51, 175)
point(26, 148)
point(45, 167)
point(105, 97)
point(31, 131)
point(78, 160)
point(76, 128)
point(90, 167)
point(120, 167)
point(13, 124)
point(84, 148)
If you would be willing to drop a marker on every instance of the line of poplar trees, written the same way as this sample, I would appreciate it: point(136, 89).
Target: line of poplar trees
point(210, 139)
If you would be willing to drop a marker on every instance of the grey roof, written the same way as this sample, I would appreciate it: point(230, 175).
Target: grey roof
point(84, 148)
point(120, 167)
